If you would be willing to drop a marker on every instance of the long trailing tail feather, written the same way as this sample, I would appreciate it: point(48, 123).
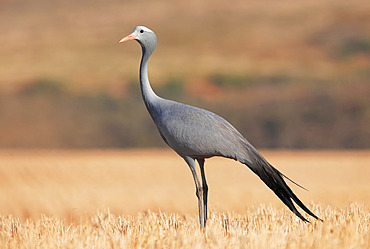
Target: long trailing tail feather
point(293, 181)
point(273, 178)
point(294, 197)
point(245, 153)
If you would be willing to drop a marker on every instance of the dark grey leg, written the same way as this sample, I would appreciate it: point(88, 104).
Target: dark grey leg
point(205, 188)
point(199, 190)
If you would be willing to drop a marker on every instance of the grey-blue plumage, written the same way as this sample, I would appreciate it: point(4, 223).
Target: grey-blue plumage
point(197, 134)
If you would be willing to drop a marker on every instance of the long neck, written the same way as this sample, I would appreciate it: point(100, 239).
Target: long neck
point(147, 92)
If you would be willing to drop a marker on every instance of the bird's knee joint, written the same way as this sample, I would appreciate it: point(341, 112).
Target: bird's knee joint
point(199, 192)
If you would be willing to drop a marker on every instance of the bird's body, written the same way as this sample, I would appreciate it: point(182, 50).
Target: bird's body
point(197, 134)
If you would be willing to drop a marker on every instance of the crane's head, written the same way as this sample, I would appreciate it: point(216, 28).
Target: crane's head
point(144, 36)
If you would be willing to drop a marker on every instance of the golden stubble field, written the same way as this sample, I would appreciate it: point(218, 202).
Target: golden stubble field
point(146, 199)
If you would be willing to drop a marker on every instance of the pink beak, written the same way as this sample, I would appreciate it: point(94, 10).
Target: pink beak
point(128, 38)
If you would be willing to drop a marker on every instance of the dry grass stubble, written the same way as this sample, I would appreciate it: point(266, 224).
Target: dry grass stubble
point(263, 227)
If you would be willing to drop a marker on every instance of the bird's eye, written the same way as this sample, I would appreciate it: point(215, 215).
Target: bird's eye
point(141, 31)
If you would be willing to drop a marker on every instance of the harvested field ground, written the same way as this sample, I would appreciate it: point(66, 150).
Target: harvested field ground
point(146, 199)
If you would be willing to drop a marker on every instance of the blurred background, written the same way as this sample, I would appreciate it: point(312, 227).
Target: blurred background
point(286, 74)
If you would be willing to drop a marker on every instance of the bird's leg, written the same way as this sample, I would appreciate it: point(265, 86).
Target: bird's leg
point(205, 188)
point(199, 190)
